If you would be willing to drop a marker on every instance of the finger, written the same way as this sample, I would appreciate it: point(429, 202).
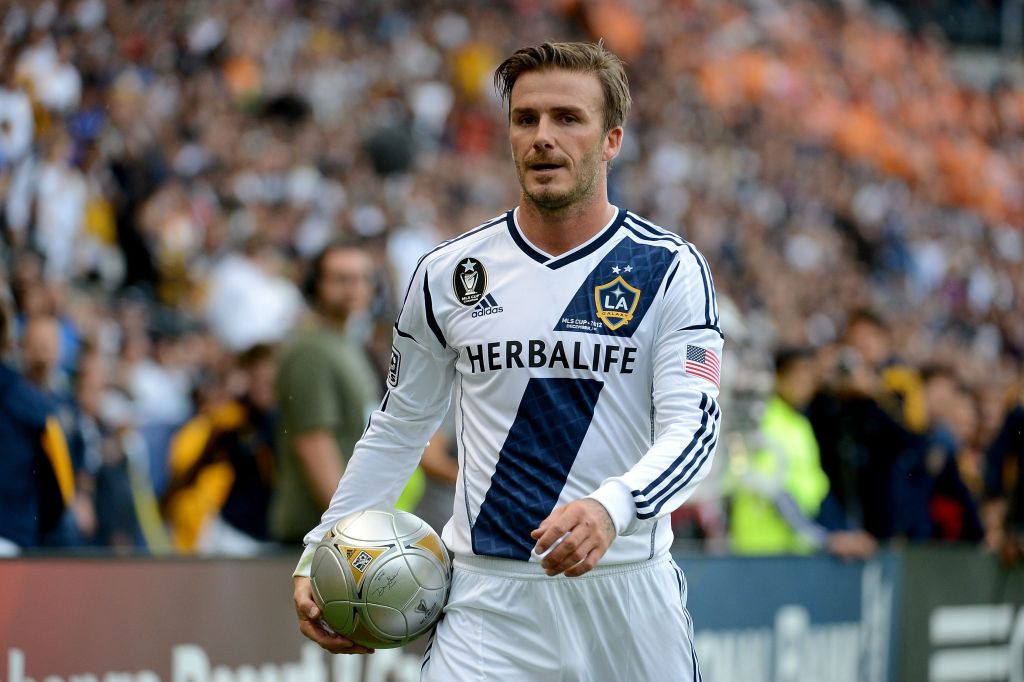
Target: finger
point(569, 559)
point(586, 565)
point(548, 531)
point(550, 536)
point(305, 606)
point(307, 609)
point(335, 643)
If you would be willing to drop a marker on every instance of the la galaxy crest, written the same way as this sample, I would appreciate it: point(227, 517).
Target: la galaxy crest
point(616, 302)
point(469, 281)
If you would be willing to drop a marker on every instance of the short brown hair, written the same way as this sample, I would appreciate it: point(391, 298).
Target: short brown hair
point(592, 58)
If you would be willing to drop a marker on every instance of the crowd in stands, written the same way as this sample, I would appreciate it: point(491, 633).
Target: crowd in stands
point(168, 172)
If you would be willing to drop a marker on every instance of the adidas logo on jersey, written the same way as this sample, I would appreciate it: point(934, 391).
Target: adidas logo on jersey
point(487, 306)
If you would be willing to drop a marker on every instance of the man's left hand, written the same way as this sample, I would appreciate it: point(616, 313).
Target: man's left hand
point(586, 530)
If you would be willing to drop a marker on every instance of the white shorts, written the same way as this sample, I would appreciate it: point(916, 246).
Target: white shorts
point(507, 621)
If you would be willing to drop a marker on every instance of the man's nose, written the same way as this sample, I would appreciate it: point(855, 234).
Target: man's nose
point(543, 138)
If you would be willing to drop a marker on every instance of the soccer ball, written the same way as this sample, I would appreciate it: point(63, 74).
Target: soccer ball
point(380, 577)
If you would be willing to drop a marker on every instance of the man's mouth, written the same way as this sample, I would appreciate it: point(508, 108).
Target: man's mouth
point(544, 166)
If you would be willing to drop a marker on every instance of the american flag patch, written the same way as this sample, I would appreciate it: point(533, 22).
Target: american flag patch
point(703, 363)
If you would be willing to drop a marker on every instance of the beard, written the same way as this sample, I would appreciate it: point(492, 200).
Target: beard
point(551, 200)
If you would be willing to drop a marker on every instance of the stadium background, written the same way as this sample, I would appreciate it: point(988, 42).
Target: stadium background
point(167, 170)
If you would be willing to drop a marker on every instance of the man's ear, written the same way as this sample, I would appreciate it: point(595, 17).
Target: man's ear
point(612, 143)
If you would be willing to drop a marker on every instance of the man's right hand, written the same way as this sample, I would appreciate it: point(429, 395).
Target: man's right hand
point(310, 625)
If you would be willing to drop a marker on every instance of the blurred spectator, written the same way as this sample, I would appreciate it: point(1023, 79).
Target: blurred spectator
point(40, 354)
point(859, 436)
point(223, 466)
point(933, 502)
point(779, 490)
point(36, 477)
point(16, 126)
point(47, 69)
point(1004, 487)
point(165, 164)
point(159, 384)
point(249, 301)
point(326, 390)
point(60, 202)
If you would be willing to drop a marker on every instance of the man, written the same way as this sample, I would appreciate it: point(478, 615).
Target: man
point(40, 355)
point(582, 343)
point(326, 389)
point(1004, 486)
point(935, 502)
point(780, 489)
point(863, 425)
point(36, 477)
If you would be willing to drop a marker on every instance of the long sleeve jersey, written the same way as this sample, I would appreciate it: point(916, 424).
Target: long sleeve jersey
point(593, 373)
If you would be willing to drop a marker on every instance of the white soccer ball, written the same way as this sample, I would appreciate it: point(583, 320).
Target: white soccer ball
point(381, 577)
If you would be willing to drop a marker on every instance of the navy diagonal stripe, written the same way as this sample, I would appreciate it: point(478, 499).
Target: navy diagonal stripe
point(706, 448)
point(704, 398)
point(648, 264)
point(533, 464)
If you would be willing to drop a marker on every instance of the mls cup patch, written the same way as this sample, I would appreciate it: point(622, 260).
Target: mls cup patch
point(616, 302)
point(469, 280)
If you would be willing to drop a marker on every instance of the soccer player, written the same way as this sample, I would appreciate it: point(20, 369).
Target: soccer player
point(583, 346)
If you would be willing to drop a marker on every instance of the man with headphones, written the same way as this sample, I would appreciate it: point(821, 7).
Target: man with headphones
point(326, 390)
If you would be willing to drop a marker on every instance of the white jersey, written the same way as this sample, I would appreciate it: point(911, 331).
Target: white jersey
point(589, 374)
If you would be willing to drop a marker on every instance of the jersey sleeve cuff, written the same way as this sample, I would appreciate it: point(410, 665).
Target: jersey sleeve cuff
point(617, 500)
point(305, 565)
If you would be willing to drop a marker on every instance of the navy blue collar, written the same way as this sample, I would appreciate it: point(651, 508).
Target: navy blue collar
point(582, 251)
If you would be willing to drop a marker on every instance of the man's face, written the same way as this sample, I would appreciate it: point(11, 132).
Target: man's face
point(559, 145)
point(871, 341)
point(798, 383)
point(343, 287)
point(40, 345)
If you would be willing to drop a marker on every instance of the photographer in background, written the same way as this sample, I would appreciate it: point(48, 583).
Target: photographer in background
point(860, 438)
point(780, 493)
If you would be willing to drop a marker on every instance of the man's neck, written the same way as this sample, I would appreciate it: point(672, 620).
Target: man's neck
point(557, 233)
point(336, 322)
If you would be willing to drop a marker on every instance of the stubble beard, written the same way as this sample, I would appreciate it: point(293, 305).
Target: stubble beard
point(555, 203)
